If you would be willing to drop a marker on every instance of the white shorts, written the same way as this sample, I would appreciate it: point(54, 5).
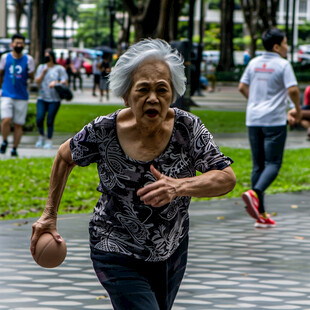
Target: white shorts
point(15, 109)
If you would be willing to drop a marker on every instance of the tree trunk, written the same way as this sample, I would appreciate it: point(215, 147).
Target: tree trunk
point(41, 28)
point(49, 9)
point(35, 36)
point(176, 8)
point(267, 13)
point(164, 17)
point(226, 47)
point(144, 16)
point(124, 34)
point(250, 10)
point(19, 10)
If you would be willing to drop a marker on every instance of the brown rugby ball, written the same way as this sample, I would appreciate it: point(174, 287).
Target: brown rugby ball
point(49, 253)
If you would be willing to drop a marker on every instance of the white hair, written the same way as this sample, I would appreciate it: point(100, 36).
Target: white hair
point(121, 76)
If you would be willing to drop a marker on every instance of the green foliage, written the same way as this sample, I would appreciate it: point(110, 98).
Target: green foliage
point(304, 33)
point(94, 25)
point(65, 8)
point(211, 38)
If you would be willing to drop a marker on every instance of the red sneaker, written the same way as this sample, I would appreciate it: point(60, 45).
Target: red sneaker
point(251, 200)
point(265, 222)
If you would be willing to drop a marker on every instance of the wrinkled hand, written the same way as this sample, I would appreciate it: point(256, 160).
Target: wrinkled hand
point(45, 224)
point(161, 192)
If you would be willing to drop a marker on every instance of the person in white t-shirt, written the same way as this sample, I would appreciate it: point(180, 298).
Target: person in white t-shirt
point(266, 82)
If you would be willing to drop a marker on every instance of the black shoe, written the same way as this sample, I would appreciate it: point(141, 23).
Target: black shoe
point(14, 152)
point(4, 145)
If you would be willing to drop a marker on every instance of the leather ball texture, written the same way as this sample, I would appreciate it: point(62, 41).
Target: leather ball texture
point(49, 253)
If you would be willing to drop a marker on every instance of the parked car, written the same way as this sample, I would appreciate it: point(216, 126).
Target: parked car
point(88, 56)
point(211, 56)
point(304, 53)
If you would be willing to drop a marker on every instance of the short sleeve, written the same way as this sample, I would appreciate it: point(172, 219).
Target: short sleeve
point(289, 78)
point(207, 155)
point(39, 71)
point(62, 74)
point(85, 146)
point(31, 65)
point(2, 62)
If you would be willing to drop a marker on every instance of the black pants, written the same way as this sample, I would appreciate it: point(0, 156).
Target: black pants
point(78, 76)
point(134, 284)
point(267, 147)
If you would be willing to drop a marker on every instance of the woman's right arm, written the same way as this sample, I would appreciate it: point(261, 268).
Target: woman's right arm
point(62, 166)
point(39, 78)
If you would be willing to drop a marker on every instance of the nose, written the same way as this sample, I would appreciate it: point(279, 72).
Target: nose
point(152, 98)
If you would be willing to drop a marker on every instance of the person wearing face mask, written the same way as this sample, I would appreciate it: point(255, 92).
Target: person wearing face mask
point(47, 76)
point(15, 69)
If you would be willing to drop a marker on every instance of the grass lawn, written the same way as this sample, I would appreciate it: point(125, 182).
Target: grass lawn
point(71, 117)
point(24, 182)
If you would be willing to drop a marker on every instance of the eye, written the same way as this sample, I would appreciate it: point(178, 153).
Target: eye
point(162, 90)
point(142, 89)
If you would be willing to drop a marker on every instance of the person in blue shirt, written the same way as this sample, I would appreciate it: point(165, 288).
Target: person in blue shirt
point(15, 69)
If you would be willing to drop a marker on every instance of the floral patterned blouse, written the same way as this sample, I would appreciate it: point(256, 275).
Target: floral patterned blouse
point(121, 222)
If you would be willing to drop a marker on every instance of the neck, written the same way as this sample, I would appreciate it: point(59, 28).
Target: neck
point(15, 55)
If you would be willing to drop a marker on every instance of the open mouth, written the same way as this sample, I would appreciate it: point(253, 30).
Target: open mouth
point(151, 113)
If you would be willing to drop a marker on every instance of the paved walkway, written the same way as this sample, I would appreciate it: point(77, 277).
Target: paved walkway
point(231, 264)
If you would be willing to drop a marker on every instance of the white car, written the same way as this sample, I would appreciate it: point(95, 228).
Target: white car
point(304, 53)
point(211, 56)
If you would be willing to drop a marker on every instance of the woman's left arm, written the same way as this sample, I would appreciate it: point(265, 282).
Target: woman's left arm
point(63, 78)
point(209, 184)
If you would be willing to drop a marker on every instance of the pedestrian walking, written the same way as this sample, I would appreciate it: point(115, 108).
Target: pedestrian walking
point(147, 156)
point(69, 66)
point(97, 74)
point(47, 76)
point(15, 70)
point(76, 67)
point(105, 68)
point(266, 82)
point(61, 60)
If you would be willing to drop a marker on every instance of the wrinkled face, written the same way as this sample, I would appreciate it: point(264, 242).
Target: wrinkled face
point(151, 93)
point(282, 48)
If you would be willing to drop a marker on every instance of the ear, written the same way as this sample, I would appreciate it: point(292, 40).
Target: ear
point(276, 48)
point(126, 101)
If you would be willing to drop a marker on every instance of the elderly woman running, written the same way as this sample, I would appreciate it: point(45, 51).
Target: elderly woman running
point(147, 157)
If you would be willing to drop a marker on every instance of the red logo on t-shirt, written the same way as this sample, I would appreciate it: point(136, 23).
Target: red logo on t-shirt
point(263, 69)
